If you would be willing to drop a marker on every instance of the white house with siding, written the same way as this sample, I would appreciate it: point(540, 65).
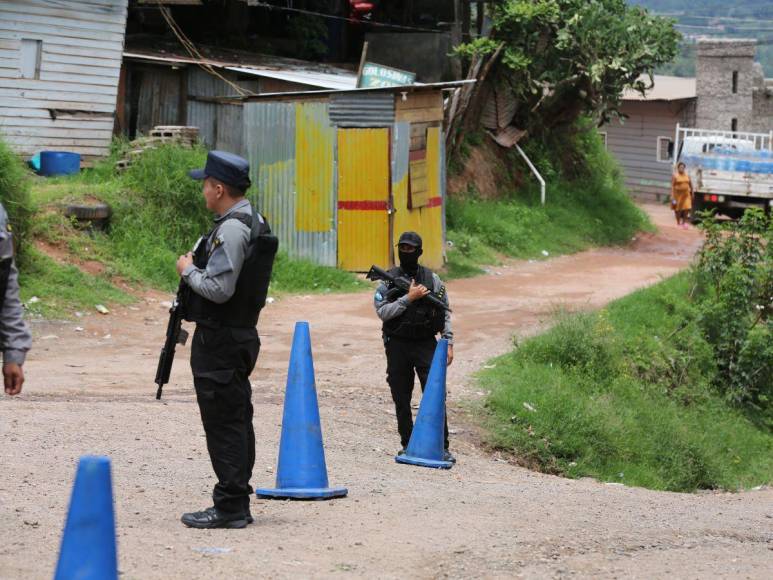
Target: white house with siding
point(60, 63)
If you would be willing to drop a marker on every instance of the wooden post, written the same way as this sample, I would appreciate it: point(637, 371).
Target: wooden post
point(363, 56)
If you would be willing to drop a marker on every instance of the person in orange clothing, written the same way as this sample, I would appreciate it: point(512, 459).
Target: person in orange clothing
point(681, 195)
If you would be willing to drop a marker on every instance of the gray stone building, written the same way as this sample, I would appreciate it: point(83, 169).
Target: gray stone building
point(728, 93)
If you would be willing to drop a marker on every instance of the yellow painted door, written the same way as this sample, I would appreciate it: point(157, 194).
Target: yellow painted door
point(363, 199)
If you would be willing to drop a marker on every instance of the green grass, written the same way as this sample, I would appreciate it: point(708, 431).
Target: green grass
point(625, 395)
point(158, 212)
point(586, 205)
point(62, 288)
point(305, 276)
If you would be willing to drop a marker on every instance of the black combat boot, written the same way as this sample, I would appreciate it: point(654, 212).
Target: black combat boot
point(212, 518)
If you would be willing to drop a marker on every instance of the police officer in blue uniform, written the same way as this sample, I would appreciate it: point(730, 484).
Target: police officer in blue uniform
point(15, 337)
point(410, 325)
point(227, 274)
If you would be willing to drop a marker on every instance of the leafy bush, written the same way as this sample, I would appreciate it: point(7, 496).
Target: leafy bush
point(565, 58)
point(15, 194)
point(734, 277)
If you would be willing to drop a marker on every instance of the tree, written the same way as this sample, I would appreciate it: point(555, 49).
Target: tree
point(567, 58)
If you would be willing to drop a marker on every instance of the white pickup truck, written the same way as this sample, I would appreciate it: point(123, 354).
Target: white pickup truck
point(730, 170)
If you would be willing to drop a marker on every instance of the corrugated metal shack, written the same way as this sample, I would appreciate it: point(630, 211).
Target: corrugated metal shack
point(340, 174)
point(162, 87)
point(59, 70)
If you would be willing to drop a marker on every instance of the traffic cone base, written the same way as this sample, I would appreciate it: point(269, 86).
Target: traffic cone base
point(409, 460)
point(301, 471)
point(425, 447)
point(310, 493)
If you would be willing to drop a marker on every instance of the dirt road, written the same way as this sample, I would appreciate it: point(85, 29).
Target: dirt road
point(91, 391)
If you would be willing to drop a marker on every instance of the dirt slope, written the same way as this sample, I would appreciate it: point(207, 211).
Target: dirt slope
point(91, 391)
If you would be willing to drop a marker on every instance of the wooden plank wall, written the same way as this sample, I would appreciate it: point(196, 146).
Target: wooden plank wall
point(71, 106)
point(633, 142)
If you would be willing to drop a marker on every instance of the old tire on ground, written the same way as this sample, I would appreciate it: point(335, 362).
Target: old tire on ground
point(98, 211)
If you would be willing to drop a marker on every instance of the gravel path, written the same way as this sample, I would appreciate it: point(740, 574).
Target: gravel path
point(91, 391)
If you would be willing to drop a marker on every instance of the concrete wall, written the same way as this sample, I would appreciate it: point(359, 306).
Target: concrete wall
point(762, 101)
point(424, 53)
point(718, 105)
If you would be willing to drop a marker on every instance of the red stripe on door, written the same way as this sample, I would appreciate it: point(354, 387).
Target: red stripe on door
point(363, 205)
point(434, 202)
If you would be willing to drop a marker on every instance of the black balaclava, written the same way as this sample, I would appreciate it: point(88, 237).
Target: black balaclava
point(409, 262)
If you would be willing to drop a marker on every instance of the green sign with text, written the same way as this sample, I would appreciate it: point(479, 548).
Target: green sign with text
point(378, 75)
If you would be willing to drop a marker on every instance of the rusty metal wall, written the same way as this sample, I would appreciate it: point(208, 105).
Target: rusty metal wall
point(200, 114)
point(362, 109)
point(221, 125)
point(159, 96)
point(270, 145)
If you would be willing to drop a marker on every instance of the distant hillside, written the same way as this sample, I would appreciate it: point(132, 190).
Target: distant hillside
point(726, 8)
point(721, 18)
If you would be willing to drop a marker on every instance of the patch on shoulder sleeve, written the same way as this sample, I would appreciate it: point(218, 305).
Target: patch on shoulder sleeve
point(216, 243)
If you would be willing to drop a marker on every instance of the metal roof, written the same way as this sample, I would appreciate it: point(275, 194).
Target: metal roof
point(316, 78)
point(407, 88)
point(290, 70)
point(666, 88)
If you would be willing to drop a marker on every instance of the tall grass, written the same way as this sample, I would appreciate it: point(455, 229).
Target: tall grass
point(625, 395)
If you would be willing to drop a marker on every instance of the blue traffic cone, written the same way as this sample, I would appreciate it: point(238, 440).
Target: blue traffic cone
point(426, 445)
point(88, 543)
point(301, 473)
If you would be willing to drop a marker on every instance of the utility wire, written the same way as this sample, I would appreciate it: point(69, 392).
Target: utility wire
point(344, 18)
point(194, 52)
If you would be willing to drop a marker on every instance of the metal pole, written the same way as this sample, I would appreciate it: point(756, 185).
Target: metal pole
point(676, 146)
point(535, 172)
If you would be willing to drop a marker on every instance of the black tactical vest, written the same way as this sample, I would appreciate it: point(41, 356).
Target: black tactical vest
point(421, 319)
point(243, 308)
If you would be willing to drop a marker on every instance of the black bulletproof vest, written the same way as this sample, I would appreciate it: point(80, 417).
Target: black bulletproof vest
point(243, 308)
point(421, 319)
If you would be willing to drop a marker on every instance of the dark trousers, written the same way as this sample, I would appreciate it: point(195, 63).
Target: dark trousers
point(403, 358)
point(222, 360)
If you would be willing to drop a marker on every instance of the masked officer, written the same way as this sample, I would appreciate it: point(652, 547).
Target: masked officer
point(15, 337)
point(409, 328)
point(227, 274)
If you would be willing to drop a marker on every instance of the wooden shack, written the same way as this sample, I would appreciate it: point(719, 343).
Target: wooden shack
point(59, 69)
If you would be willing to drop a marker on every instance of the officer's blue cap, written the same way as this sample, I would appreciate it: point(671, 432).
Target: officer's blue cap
point(226, 167)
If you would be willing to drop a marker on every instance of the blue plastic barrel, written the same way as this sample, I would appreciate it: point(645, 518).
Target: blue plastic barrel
point(59, 163)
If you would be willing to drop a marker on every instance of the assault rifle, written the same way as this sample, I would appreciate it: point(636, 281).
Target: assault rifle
point(402, 283)
point(175, 334)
